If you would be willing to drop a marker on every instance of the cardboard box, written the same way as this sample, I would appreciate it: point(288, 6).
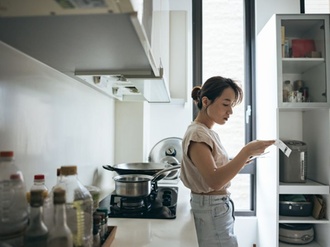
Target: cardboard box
point(314, 54)
point(319, 207)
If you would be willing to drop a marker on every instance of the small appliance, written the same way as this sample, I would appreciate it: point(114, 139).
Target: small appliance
point(293, 169)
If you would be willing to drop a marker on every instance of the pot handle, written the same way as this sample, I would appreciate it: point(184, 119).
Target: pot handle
point(165, 170)
point(109, 168)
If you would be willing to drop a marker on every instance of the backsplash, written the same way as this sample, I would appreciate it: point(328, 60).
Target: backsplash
point(50, 120)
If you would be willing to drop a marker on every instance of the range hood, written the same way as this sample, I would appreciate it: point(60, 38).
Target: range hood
point(105, 47)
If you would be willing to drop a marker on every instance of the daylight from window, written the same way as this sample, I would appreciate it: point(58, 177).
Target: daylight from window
point(223, 54)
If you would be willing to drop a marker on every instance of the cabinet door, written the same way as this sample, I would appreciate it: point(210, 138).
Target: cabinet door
point(303, 69)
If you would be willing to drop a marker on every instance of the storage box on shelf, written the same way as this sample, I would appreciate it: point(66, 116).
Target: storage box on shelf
point(298, 110)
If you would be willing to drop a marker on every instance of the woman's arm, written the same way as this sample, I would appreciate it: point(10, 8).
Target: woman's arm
point(201, 155)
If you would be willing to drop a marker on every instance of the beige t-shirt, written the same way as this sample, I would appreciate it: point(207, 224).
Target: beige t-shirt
point(189, 175)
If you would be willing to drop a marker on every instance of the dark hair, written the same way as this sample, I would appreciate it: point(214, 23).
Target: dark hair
point(213, 88)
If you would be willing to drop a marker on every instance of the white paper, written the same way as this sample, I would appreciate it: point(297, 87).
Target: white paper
point(258, 156)
point(284, 148)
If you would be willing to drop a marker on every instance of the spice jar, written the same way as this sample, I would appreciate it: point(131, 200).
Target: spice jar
point(287, 89)
point(297, 85)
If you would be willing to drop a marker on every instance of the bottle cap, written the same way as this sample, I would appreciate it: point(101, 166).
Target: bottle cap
point(101, 214)
point(68, 170)
point(59, 196)
point(15, 176)
point(6, 154)
point(36, 198)
point(39, 177)
point(103, 210)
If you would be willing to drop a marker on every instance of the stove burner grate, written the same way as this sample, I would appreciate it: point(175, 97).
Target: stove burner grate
point(160, 204)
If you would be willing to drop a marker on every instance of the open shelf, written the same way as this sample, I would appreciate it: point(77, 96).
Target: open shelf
point(300, 65)
point(302, 220)
point(310, 187)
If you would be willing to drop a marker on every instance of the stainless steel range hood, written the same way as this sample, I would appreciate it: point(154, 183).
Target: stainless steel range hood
point(89, 44)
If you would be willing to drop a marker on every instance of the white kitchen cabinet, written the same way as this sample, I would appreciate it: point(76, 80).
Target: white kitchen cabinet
point(293, 118)
point(106, 45)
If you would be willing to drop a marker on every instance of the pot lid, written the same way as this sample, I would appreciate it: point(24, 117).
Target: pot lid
point(170, 146)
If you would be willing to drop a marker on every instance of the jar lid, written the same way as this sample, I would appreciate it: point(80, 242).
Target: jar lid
point(171, 146)
point(68, 170)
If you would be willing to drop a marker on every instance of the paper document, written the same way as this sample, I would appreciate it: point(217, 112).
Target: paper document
point(284, 148)
point(258, 156)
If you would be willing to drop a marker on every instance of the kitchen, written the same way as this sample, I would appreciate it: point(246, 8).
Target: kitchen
point(50, 119)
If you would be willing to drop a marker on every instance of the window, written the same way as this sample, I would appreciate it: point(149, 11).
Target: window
point(317, 6)
point(222, 46)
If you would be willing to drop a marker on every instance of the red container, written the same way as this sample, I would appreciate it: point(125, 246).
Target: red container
point(302, 47)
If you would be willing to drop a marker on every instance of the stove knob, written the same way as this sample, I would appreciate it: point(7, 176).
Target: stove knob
point(167, 201)
point(167, 192)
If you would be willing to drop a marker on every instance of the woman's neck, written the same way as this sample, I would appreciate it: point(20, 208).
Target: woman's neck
point(205, 120)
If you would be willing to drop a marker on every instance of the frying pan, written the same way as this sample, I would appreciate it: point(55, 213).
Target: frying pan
point(147, 168)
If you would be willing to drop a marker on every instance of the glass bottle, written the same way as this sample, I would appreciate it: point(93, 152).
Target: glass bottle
point(79, 207)
point(13, 203)
point(49, 206)
point(95, 193)
point(104, 229)
point(38, 184)
point(60, 235)
point(96, 230)
point(36, 233)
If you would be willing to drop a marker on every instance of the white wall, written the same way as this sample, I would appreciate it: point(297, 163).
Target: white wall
point(50, 120)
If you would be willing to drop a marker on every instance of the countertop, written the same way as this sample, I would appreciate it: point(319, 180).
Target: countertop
point(176, 232)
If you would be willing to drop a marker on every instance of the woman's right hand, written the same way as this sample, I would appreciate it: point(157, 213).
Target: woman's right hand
point(257, 147)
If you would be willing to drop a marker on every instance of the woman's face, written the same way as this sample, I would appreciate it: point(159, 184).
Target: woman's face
point(222, 107)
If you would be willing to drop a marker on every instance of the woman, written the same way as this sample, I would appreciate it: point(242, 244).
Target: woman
point(206, 169)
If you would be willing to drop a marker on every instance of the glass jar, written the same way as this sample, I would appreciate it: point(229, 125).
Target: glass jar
point(287, 89)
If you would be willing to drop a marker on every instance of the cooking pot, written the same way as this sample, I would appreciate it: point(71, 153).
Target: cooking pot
point(296, 233)
point(146, 168)
point(137, 185)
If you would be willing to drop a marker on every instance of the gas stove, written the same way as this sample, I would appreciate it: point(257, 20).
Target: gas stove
point(159, 204)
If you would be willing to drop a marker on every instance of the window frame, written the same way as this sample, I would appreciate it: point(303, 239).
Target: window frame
point(249, 78)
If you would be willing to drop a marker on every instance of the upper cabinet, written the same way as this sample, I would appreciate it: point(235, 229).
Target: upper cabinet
point(303, 64)
point(117, 47)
